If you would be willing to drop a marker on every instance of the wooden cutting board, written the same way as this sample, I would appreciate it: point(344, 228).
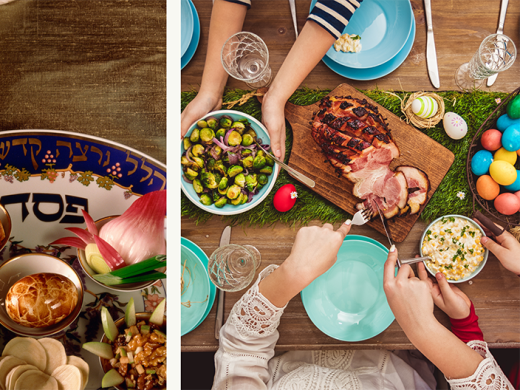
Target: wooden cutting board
point(417, 150)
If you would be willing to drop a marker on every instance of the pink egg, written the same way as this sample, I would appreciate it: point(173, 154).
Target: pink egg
point(491, 139)
point(517, 193)
point(507, 203)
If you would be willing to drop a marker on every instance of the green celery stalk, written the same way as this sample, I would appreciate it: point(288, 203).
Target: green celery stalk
point(111, 280)
point(141, 267)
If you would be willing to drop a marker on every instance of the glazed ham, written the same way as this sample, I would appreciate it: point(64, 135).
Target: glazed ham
point(357, 142)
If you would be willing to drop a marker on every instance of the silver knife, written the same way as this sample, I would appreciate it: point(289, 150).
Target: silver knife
point(300, 176)
point(500, 30)
point(386, 230)
point(431, 54)
point(293, 13)
point(224, 240)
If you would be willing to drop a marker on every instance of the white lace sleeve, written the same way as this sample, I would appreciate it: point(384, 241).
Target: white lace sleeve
point(247, 341)
point(488, 375)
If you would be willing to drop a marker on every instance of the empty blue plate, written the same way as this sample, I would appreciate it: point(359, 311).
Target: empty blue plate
point(192, 48)
point(186, 26)
point(348, 302)
point(378, 71)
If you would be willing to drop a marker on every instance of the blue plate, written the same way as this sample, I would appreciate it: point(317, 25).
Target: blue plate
point(186, 25)
point(378, 71)
point(204, 259)
point(384, 27)
point(348, 302)
point(192, 48)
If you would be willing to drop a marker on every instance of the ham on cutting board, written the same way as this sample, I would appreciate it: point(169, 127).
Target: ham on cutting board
point(414, 150)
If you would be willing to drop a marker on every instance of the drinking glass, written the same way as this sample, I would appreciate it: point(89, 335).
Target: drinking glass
point(496, 53)
point(232, 267)
point(245, 57)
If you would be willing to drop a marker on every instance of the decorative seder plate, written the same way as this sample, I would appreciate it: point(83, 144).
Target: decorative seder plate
point(47, 177)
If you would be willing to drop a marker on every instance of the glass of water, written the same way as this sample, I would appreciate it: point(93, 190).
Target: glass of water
point(245, 57)
point(233, 267)
point(496, 53)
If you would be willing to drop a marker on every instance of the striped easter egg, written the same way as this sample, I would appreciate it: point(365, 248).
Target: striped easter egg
point(425, 107)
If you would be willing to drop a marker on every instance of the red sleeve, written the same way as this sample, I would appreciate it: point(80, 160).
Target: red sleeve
point(467, 329)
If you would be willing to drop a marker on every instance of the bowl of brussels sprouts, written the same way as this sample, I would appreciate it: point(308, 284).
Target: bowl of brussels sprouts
point(223, 170)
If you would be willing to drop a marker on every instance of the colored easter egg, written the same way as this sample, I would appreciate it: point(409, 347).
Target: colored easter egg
point(505, 155)
point(491, 139)
point(513, 108)
point(511, 138)
point(487, 188)
point(517, 194)
point(425, 107)
point(507, 203)
point(454, 125)
point(285, 198)
point(480, 162)
point(502, 172)
point(505, 121)
point(516, 184)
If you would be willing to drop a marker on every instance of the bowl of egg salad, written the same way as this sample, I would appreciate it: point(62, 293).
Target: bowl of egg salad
point(453, 243)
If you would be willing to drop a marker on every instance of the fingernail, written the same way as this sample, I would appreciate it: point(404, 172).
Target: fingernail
point(438, 275)
point(484, 239)
point(348, 222)
point(392, 248)
point(278, 154)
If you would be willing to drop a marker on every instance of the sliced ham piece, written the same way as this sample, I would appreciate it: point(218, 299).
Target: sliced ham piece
point(418, 184)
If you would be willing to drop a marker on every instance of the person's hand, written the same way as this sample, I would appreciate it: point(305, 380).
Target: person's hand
point(197, 108)
point(274, 119)
point(506, 248)
point(446, 296)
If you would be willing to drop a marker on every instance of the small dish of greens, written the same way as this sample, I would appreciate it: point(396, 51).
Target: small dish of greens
point(223, 170)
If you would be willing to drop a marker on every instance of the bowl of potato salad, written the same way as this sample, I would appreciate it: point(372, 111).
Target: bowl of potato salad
point(453, 243)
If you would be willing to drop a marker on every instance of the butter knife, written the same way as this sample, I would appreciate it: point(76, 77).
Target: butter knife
point(224, 240)
point(500, 30)
point(386, 230)
point(300, 176)
point(293, 13)
point(431, 54)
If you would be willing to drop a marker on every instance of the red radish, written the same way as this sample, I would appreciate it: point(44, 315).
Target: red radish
point(285, 198)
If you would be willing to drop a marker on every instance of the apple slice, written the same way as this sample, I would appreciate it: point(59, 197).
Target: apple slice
point(109, 327)
point(112, 378)
point(130, 313)
point(96, 260)
point(157, 316)
point(103, 350)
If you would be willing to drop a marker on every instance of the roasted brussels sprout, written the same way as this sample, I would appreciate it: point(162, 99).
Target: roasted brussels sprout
point(220, 167)
point(223, 183)
point(225, 121)
point(218, 177)
point(262, 179)
point(197, 186)
point(252, 179)
point(259, 162)
point(190, 174)
point(234, 138)
point(223, 191)
point(212, 122)
point(202, 123)
point(259, 187)
point(217, 152)
point(238, 199)
point(260, 153)
point(225, 159)
point(215, 195)
point(194, 136)
point(268, 160)
point(246, 152)
point(197, 150)
point(205, 199)
point(244, 199)
point(234, 170)
point(186, 143)
point(220, 133)
point(184, 161)
point(207, 135)
point(198, 162)
point(248, 162)
point(208, 180)
point(210, 164)
point(247, 140)
point(240, 180)
point(238, 126)
point(221, 202)
point(252, 133)
point(267, 170)
point(233, 191)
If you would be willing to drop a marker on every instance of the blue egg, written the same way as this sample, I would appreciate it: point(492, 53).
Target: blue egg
point(516, 185)
point(505, 121)
point(511, 138)
point(480, 162)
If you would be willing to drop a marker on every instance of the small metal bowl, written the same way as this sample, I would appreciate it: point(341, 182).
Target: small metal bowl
point(5, 220)
point(120, 323)
point(34, 263)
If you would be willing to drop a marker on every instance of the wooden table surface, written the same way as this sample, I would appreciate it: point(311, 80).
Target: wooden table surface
point(459, 28)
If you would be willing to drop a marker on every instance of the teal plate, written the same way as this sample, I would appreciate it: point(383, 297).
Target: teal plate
point(186, 26)
point(212, 289)
point(194, 42)
point(348, 302)
point(195, 290)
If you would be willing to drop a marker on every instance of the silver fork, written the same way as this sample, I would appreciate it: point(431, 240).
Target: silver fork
point(362, 216)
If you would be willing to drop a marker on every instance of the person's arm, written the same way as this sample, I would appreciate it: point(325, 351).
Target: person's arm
point(227, 19)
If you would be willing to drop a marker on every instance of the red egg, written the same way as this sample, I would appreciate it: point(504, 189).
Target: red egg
point(507, 203)
point(285, 198)
point(517, 193)
point(491, 139)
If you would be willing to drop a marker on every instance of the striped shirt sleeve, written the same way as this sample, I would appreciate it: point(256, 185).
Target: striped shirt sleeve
point(247, 3)
point(333, 15)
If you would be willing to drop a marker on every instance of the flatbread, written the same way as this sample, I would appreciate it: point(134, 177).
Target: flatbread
point(83, 368)
point(33, 379)
point(55, 352)
point(15, 373)
point(68, 377)
point(27, 349)
point(6, 365)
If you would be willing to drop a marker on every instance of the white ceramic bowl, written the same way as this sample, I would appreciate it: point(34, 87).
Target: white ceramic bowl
point(480, 266)
point(5, 220)
point(34, 263)
point(230, 209)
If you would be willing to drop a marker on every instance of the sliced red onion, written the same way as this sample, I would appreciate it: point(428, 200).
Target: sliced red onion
point(233, 158)
point(186, 180)
point(222, 146)
point(226, 137)
point(249, 197)
point(188, 155)
point(213, 153)
point(266, 147)
point(246, 172)
point(250, 147)
point(254, 153)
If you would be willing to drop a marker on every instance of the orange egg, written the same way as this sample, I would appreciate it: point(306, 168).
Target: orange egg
point(487, 188)
point(507, 203)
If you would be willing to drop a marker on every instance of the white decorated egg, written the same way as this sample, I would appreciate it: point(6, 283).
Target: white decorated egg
point(454, 125)
point(425, 107)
